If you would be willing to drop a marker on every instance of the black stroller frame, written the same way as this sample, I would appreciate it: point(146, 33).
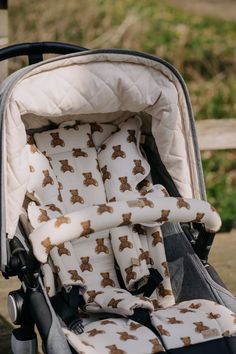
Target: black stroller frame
point(30, 305)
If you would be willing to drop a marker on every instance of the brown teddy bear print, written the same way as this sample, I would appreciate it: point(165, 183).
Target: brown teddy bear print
point(195, 306)
point(145, 256)
point(133, 326)
point(79, 153)
point(163, 331)
point(53, 207)
point(106, 322)
point(65, 167)
point(106, 280)
point(164, 191)
point(138, 168)
point(117, 152)
point(156, 346)
point(146, 202)
point(185, 311)
point(89, 180)
point(103, 208)
point(124, 185)
point(75, 197)
point(31, 195)
point(213, 316)
point(92, 295)
point(139, 229)
point(101, 248)
point(181, 203)
point(163, 292)
point(47, 244)
point(31, 168)
point(173, 320)
point(96, 128)
point(166, 269)
point(114, 303)
point(75, 276)
point(126, 219)
point(130, 274)
point(56, 140)
point(113, 199)
point(47, 178)
point(86, 228)
point(186, 341)
point(124, 243)
point(155, 304)
point(43, 216)
point(94, 332)
point(200, 327)
point(131, 137)
point(90, 142)
point(85, 265)
point(114, 350)
point(59, 197)
point(126, 336)
point(105, 174)
point(63, 250)
point(164, 215)
point(62, 220)
point(199, 217)
point(157, 238)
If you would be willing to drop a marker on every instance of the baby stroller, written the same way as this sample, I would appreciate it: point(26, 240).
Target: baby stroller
point(104, 216)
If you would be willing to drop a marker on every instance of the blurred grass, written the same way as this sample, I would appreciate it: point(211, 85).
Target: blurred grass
point(202, 48)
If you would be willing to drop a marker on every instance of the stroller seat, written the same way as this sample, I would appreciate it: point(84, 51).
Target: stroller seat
point(93, 208)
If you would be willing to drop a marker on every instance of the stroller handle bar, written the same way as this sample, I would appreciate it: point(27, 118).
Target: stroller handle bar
point(147, 211)
point(35, 50)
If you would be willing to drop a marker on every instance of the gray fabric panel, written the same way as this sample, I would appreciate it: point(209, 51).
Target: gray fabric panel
point(190, 279)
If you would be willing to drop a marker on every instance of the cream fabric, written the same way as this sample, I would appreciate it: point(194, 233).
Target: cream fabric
point(67, 89)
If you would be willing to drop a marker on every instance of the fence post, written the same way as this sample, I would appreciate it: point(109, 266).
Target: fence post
point(3, 36)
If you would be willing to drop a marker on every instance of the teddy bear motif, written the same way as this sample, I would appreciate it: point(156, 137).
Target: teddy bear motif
point(86, 228)
point(48, 158)
point(65, 167)
point(163, 292)
point(186, 341)
point(43, 216)
point(156, 346)
point(124, 185)
point(31, 168)
point(62, 220)
point(85, 265)
point(164, 191)
point(106, 280)
point(101, 248)
point(164, 215)
point(124, 243)
point(185, 311)
point(31, 195)
point(89, 180)
point(47, 245)
point(90, 142)
point(75, 197)
point(63, 250)
point(97, 165)
point(145, 256)
point(79, 153)
point(173, 320)
point(126, 219)
point(114, 350)
point(213, 316)
point(56, 140)
point(102, 208)
point(56, 270)
point(92, 295)
point(94, 332)
point(163, 331)
point(139, 229)
point(195, 306)
point(131, 137)
point(126, 336)
point(53, 207)
point(47, 178)
point(155, 304)
point(117, 152)
point(105, 174)
point(138, 168)
point(103, 147)
point(114, 303)
point(199, 217)
point(106, 322)
point(59, 196)
point(200, 327)
point(96, 128)
point(133, 326)
point(146, 202)
point(181, 203)
point(113, 199)
point(130, 274)
point(157, 238)
point(166, 269)
point(75, 276)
